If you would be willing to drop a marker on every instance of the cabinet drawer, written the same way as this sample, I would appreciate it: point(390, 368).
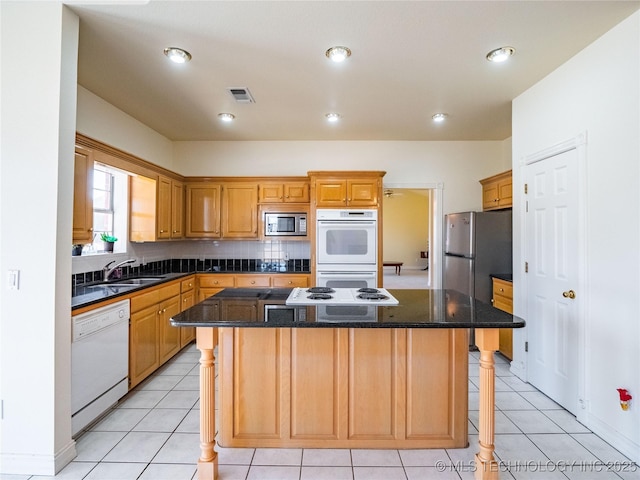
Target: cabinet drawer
point(505, 289)
point(216, 281)
point(168, 291)
point(187, 284)
point(503, 303)
point(253, 281)
point(290, 281)
point(144, 300)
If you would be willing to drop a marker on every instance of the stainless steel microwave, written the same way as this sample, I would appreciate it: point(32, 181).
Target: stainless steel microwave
point(285, 224)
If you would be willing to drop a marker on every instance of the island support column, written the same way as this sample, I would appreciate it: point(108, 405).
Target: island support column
point(206, 340)
point(487, 341)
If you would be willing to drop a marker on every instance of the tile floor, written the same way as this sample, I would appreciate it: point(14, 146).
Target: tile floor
point(153, 435)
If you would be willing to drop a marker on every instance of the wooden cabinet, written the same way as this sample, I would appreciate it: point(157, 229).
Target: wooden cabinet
point(170, 209)
point(240, 210)
point(83, 196)
point(187, 300)
point(202, 210)
point(156, 208)
point(152, 339)
point(210, 284)
point(502, 298)
point(288, 192)
point(215, 210)
point(497, 192)
point(343, 388)
point(346, 189)
point(290, 280)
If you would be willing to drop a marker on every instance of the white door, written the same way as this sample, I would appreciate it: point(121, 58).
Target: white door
point(552, 229)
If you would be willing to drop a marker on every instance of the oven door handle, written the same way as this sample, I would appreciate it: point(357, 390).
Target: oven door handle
point(359, 274)
point(346, 222)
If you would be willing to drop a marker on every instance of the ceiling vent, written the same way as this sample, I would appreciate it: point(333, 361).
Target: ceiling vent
point(241, 95)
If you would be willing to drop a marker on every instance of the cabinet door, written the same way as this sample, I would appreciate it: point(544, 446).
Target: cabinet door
point(83, 197)
point(362, 193)
point(142, 209)
point(203, 210)
point(206, 292)
point(143, 344)
point(296, 192)
point(490, 196)
point(505, 194)
point(164, 209)
point(271, 193)
point(241, 310)
point(240, 211)
point(331, 193)
point(177, 209)
point(169, 335)
point(187, 334)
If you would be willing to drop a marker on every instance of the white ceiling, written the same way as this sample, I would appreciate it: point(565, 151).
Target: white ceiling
point(410, 60)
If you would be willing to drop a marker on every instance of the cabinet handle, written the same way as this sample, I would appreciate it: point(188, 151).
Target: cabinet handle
point(91, 229)
point(290, 282)
point(253, 282)
point(215, 283)
point(159, 312)
point(502, 289)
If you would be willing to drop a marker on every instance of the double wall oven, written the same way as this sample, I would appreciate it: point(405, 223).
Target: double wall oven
point(346, 248)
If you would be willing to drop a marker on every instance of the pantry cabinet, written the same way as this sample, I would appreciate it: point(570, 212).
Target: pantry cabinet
point(287, 192)
point(502, 298)
point(497, 192)
point(83, 196)
point(156, 208)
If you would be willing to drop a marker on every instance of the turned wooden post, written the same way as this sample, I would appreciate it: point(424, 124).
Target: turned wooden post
point(206, 340)
point(487, 341)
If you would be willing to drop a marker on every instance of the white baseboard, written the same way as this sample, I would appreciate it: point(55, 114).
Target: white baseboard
point(26, 464)
point(624, 445)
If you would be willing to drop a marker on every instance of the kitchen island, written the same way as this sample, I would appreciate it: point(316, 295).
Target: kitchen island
point(394, 378)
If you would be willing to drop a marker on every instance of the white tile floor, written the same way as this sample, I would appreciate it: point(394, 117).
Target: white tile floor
point(153, 435)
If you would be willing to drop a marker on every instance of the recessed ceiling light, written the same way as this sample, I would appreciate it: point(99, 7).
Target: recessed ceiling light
point(332, 117)
point(338, 54)
point(439, 117)
point(500, 54)
point(226, 117)
point(177, 55)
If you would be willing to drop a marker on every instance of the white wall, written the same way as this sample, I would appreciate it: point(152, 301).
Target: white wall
point(597, 92)
point(37, 133)
point(459, 165)
point(102, 121)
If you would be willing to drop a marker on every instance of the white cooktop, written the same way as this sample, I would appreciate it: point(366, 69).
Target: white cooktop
point(339, 296)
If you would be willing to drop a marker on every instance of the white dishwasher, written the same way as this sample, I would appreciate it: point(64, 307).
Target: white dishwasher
point(99, 362)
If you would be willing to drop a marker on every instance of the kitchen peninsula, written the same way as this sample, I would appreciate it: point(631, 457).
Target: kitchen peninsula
point(397, 380)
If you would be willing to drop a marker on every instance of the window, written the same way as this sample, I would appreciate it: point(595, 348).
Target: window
point(103, 213)
point(109, 208)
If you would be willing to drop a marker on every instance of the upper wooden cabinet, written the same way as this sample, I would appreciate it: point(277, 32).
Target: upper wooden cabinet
point(287, 192)
point(347, 189)
point(497, 192)
point(170, 209)
point(240, 210)
point(156, 210)
point(202, 210)
point(83, 196)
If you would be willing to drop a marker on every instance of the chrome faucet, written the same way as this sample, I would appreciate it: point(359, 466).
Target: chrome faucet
point(107, 271)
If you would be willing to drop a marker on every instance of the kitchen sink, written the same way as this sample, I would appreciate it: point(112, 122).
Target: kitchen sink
point(129, 282)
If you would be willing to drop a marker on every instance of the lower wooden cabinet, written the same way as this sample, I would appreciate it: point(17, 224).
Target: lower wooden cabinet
point(210, 284)
point(152, 339)
point(343, 388)
point(503, 299)
point(187, 300)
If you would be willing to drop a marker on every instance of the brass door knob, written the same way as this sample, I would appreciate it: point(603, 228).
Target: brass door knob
point(570, 294)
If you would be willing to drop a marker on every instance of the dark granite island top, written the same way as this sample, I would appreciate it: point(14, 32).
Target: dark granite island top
point(417, 309)
point(242, 310)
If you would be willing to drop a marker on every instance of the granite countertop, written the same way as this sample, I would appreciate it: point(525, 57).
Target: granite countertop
point(417, 309)
point(88, 294)
point(507, 277)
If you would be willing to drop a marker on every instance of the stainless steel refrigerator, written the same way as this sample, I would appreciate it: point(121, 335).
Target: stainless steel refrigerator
point(477, 244)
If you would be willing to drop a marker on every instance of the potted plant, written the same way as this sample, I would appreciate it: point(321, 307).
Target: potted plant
point(108, 241)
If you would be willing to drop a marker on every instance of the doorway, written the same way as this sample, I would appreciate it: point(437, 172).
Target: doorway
point(409, 237)
point(552, 227)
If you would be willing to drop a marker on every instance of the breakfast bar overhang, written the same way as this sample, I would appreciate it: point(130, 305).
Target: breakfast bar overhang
point(355, 383)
